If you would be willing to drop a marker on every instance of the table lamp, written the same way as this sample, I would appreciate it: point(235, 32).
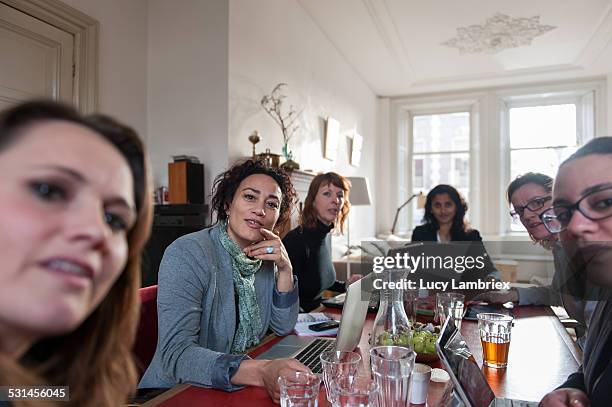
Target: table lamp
point(359, 195)
point(420, 205)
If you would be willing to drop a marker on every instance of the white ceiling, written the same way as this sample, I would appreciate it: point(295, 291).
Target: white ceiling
point(396, 45)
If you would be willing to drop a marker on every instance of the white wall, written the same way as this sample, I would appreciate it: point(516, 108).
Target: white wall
point(188, 84)
point(608, 106)
point(274, 41)
point(122, 70)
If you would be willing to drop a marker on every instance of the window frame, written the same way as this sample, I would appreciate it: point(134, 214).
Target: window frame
point(489, 146)
point(405, 219)
point(581, 98)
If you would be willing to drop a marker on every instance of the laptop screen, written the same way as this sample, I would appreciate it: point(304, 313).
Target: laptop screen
point(457, 357)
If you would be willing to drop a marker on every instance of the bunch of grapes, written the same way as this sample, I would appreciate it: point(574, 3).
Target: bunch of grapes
point(403, 337)
point(422, 341)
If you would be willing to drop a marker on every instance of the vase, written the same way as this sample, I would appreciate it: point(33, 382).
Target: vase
point(391, 325)
point(289, 164)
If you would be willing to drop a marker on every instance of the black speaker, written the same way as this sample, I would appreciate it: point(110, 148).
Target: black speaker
point(186, 182)
point(169, 223)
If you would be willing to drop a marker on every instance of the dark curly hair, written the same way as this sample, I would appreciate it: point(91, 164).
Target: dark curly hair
point(226, 184)
point(460, 226)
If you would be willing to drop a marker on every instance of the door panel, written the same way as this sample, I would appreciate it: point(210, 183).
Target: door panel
point(36, 61)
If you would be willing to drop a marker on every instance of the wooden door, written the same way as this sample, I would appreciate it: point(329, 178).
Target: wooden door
point(36, 59)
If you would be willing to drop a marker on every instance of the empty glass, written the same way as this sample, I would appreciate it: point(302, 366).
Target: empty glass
point(450, 305)
point(299, 389)
point(392, 367)
point(338, 364)
point(355, 391)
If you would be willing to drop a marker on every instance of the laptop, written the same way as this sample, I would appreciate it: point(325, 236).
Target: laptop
point(337, 301)
point(307, 349)
point(471, 386)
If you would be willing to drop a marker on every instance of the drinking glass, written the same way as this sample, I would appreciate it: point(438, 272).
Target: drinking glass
point(450, 305)
point(410, 305)
point(494, 332)
point(299, 389)
point(355, 391)
point(392, 367)
point(338, 364)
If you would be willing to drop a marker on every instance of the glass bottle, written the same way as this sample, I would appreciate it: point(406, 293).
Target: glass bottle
point(392, 326)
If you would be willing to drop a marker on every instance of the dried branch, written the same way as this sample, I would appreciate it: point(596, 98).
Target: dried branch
point(273, 104)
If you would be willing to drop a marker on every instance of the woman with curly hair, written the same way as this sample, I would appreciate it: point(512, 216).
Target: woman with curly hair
point(222, 288)
point(75, 216)
point(325, 208)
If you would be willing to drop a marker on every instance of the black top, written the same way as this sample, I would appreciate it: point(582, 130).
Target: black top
point(427, 233)
point(310, 254)
point(474, 248)
point(595, 374)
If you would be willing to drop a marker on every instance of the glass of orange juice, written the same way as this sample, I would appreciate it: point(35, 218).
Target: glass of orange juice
point(495, 338)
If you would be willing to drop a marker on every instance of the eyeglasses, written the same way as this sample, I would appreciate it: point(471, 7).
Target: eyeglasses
point(595, 205)
point(534, 205)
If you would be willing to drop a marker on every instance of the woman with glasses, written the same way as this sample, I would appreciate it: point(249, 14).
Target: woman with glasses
point(530, 195)
point(582, 215)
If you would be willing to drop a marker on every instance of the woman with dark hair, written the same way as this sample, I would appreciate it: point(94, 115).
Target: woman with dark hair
point(445, 222)
point(75, 215)
point(582, 215)
point(222, 288)
point(444, 219)
point(325, 209)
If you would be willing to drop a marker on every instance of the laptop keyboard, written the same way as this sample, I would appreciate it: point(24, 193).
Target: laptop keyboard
point(309, 356)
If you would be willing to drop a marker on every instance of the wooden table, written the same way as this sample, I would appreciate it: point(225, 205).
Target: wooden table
point(541, 357)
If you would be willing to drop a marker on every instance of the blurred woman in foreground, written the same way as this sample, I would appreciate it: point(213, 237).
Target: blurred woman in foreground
point(582, 215)
point(75, 213)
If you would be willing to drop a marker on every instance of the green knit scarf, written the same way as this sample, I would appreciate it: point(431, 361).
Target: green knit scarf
point(243, 273)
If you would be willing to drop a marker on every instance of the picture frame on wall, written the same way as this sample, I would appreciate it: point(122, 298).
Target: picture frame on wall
point(332, 134)
point(357, 146)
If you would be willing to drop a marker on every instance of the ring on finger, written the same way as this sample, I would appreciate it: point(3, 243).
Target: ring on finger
point(270, 249)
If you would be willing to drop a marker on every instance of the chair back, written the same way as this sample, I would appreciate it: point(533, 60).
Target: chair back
point(146, 337)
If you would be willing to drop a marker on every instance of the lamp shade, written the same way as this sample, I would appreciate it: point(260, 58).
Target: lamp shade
point(360, 191)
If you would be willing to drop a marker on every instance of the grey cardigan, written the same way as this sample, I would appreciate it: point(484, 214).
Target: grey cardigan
point(197, 313)
point(578, 309)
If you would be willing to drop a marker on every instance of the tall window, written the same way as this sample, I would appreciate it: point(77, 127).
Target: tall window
point(440, 154)
point(541, 137)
